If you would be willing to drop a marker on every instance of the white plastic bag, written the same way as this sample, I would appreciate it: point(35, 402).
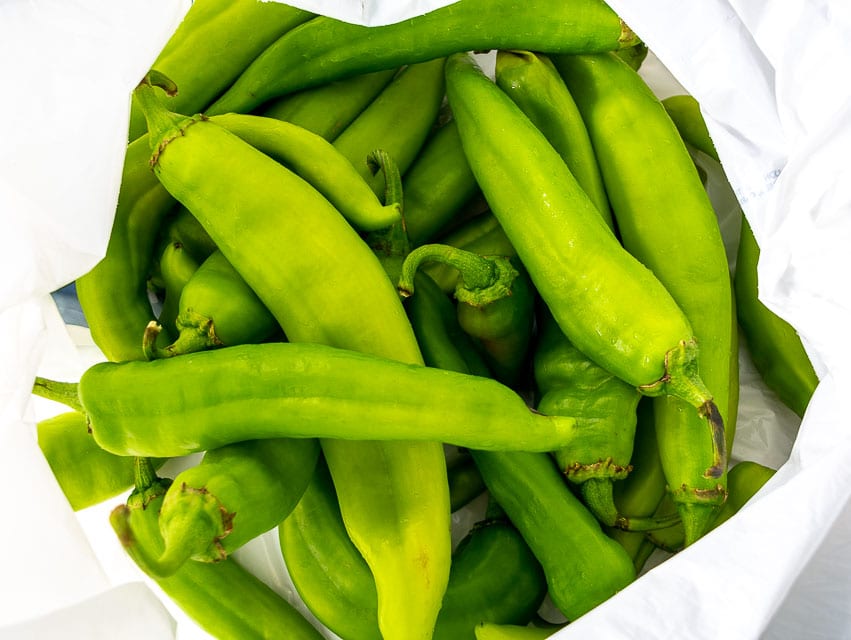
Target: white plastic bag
point(771, 86)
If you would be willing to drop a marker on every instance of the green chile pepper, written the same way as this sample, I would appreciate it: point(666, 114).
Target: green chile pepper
point(495, 303)
point(494, 575)
point(570, 384)
point(635, 55)
point(215, 42)
point(237, 493)
point(330, 288)
point(223, 598)
point(177, 267)
point(318, 162)
point(325, 49)
point(773, 343)
point(775, 346)
point(610, 306)
point(437, 185)
point(114, 293)
point(87, 474)
point(397, 121)
point(535, 85)
point(303, 390)
point(667, 221)
point(443, 342)
point(217, 308)
point(743, 481)
point(182, 227)
point(583, 566)
point(328, 109)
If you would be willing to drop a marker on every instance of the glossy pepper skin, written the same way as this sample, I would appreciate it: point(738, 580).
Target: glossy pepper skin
point(775, 346)
point(583, 566)
point(235, 494)
point(397, 121)
point(216, 308)
point(303, 390)
point(437, 185)
point(223, 598)
point(495, 304)
point(610, 306)
point(113, 294)
point(773, 343)
point(667, 221)
point(329, 108)
point(328, 288)
point(214, 43)
point(177, 266)
point(325, 49)
point(535, 85)
point(87, 474)
point(494, 575)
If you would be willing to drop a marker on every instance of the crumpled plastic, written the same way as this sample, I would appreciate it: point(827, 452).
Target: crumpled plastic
point(772, 91)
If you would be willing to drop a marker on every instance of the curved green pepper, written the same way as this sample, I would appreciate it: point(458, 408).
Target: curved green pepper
point(325, 49)
point(303, 390)
point(494, 575)
point(534, 84)
point(437, 185)
point(176, 266)
point(329, 108)
point(583, 566)
point(323, 284)
point(223, 598)
point(397, 121)
point(217, 308)
point(570, 384)
point(667, 221)
point(773, 343)
point(87, 474)
point(237, 493)
point(215, 42)
point(609, 305)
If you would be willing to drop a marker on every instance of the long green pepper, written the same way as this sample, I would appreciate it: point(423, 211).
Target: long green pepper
point(327, 288)
point(326, 49)
point(667, 221)
point(610, 306)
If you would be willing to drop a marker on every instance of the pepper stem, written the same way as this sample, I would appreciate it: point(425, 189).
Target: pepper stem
point(194, 334)
point(392, 241)
point(682, 380)
point(482, 279)
point(62, 392)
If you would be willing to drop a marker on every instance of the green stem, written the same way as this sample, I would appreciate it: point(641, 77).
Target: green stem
point(198, 336)
point(483, 279)
point(391, 242)
point(62, 392)
point(682, 380)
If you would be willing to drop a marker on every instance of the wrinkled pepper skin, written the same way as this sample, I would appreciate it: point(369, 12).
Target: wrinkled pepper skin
point(325, 49)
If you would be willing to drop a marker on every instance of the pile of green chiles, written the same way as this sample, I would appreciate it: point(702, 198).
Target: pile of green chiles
point(385, 284)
